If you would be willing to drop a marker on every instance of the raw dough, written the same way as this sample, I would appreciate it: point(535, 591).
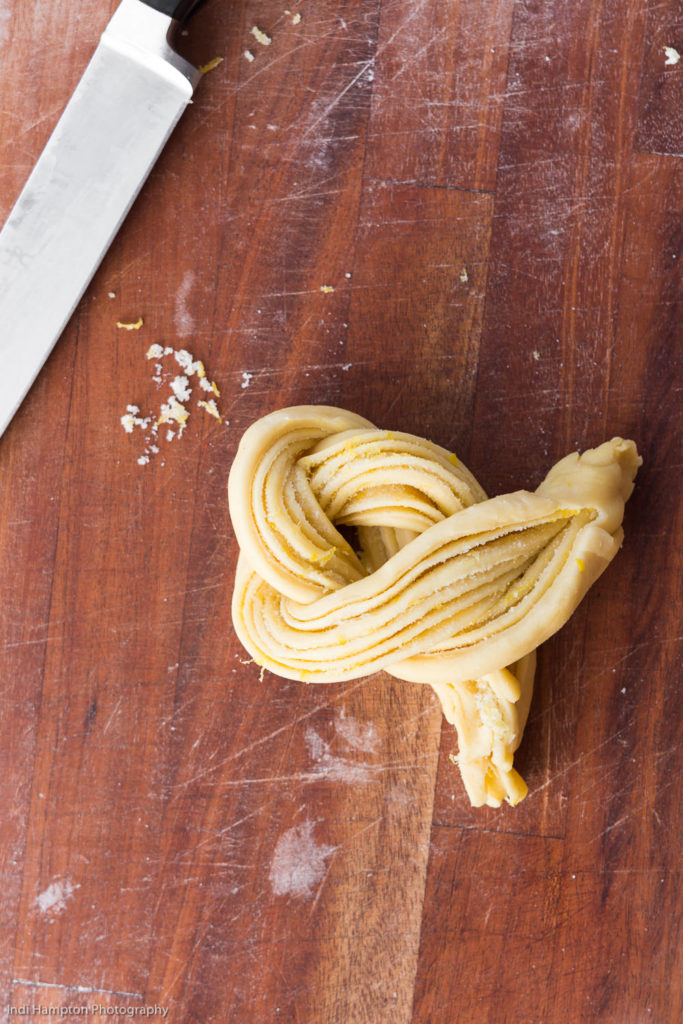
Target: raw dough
point(446, 587)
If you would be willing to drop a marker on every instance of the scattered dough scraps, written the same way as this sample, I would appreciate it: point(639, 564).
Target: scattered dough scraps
point(444, 585)
point(174, 410)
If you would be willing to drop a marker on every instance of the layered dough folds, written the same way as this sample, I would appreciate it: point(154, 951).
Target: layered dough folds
point(429, 580)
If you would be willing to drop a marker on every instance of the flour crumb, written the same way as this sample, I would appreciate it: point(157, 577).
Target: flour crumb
point(112, 295)
point(180, 386)
point(246, 379)
point(249, 55)
point(209, 385)
point(260, 36)
point(154, 352)
point(672, 55)
point(536, 354)
point(184, 360)
point(131, 419)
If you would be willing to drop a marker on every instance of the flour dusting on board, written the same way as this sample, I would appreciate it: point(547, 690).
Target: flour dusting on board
point(329, 766)
point(359, 735)
point(183, 319)
point(4, 26)
point(299, 862)
point(52, 901)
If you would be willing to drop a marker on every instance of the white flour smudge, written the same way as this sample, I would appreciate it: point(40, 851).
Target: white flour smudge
point(184, 321)
point(328, 766)
point(4, 24)
point(53, 899)
point(359, 735)
point(299, 863)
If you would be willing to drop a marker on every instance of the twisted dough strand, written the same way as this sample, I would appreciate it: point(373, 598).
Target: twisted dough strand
point(448, 588)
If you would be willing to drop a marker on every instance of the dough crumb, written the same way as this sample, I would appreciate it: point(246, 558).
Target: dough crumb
point(211, 408)
point(326, 289)
point(135, 326)
point(205, 68)
point(260, 36)
point(173, 410)
point(672, 55)
point(464, 276)
point(249, 55)
point(180, 386)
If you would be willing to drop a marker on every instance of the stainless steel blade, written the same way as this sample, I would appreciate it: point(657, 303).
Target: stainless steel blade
point(125, 107)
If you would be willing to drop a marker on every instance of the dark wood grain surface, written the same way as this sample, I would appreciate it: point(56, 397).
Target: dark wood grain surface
point(458, 219)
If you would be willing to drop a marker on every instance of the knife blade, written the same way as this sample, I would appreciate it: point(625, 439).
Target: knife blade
point(116, 123)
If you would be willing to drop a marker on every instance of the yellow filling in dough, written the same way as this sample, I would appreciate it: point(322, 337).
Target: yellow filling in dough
point(441, 584)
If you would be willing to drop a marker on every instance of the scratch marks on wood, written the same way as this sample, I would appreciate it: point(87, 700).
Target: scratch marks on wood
point(81, 989)
point(365, 69)
point(113, 715)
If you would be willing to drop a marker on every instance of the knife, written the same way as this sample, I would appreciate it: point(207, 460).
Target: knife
point(125, 107)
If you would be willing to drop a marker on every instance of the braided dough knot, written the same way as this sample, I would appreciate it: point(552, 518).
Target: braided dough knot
point(365, 549)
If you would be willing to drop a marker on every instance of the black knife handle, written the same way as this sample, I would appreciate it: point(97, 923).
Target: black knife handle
point(178, 9)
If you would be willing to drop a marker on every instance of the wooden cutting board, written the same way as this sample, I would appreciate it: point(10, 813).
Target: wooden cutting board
point(458, 219)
